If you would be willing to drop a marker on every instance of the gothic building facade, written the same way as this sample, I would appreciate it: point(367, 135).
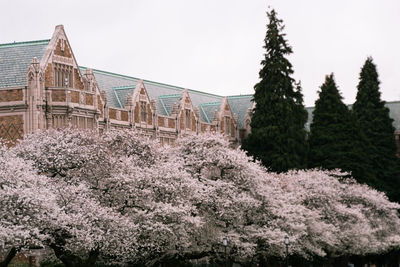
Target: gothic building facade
point(42, 87)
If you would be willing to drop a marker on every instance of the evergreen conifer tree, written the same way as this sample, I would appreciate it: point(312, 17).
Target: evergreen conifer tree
point(336, 140)
point(378, 127)
point(278, 137)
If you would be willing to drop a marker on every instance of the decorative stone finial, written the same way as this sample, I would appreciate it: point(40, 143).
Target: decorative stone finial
point(175, 109)
point(89, 72)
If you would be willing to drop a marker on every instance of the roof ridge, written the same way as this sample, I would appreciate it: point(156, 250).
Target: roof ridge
point(148, 81)
point(25, 43)
point(170, 95)
point(124, 87)
point(240, 96)
point(111, 73)
point(204, 93)
point(210, 104)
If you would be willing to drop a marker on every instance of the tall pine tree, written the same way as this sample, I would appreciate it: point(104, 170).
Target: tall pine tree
point(336, 140)
point(278, 136)
point(378, 127)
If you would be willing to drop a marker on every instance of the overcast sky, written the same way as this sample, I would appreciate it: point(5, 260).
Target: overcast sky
point(216, 45)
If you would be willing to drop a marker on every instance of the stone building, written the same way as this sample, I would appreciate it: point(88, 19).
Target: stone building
point(42, 86)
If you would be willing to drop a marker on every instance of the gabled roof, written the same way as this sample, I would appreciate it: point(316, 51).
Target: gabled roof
point(118, 86)
point(107, 81)
point(207, 111)
point(15, 59)
point(166, 103)
point(121, 94)
point(239, 105)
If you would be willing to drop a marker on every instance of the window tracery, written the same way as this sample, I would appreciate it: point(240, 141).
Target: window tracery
point(63, 75)
point(187, 118)
point(143, 111)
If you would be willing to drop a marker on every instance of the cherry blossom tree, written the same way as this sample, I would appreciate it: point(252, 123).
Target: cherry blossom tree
point(78, 165)
point(27, 205)
point(324, 215)
point(122, 198)
point(126, 174)
point(234, 201)
point(353, 219)
point(86, 232)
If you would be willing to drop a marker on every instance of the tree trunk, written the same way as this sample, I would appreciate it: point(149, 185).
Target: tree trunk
point(11, 254)
point(71, 260)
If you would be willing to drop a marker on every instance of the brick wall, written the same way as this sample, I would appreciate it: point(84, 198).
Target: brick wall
point(203, 127)
point(49, 76)
point(137, 112)
point(59, 52)
point(182, 121)
point(77, 80)
point(193, 122)
point(161, 121)
point(100, 105)
point(124, 115)
point(11, 127)
point(74, 97)
point(89, 99)
point(149, 115)
point(11, 95)
point(58, 96)
point(171, 123)
point(112, 113)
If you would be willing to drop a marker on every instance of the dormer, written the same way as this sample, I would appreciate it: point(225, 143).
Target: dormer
point(142, 106)
point(59, 63)
point(187, 115)
point(228, 124)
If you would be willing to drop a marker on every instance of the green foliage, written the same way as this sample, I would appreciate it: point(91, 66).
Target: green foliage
point(336, 140)
point(378, 128)
point(278, 137)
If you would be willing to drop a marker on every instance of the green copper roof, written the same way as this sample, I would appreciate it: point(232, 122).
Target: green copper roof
point(121, 94)
point(166, 103)
point(239, 105)
point(15, 59)
point(107, 81)
point(164, 94)
point(207, 111)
